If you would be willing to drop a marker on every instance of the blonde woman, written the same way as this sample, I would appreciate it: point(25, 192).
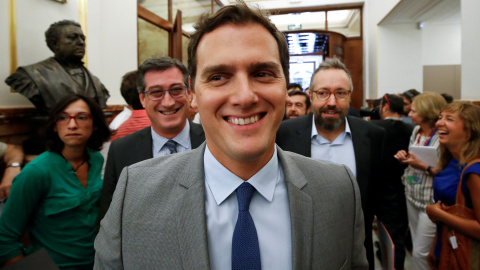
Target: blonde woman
point(418, 176)
point(459, 130)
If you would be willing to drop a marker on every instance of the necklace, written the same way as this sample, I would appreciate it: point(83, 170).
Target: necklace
point(427, 139)
point(75, 170)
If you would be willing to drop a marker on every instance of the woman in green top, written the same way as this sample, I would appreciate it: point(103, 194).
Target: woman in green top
point(55, 197)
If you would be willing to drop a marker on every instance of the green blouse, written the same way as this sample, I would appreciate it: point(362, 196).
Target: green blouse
point(48, 200)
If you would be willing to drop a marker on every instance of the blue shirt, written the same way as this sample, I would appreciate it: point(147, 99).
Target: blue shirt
point(269, 209)
point(445, 186)
point(339, 151)
point(182, 139)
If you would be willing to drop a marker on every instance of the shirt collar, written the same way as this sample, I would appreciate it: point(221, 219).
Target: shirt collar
point(223, 183)
point(393, 118)
point(182, 138)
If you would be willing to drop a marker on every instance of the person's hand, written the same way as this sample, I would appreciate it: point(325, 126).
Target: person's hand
point(410, 159)
point(6, 184)
point(432, 259)
point(401, 155)
point(433, 211)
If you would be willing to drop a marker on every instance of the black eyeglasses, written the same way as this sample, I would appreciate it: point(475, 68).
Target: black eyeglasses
point(158, 94)
point(339, 94)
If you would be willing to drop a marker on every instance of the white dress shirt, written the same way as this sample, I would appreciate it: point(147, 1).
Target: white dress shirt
point(269, 209)
point(182, 139)
point(339, 151)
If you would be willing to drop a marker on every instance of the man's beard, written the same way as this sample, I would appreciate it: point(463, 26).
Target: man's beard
point(329, 123)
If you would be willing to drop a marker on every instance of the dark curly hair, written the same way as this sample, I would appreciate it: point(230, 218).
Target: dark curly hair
point(100, 134)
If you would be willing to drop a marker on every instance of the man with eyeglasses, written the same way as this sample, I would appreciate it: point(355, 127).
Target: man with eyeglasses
point(330, 134)
point(164, 93)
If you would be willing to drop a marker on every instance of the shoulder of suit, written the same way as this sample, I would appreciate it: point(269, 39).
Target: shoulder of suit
point(288, 124)
point(360, 123)
point(195, 126)
point(169, 163)
point(298, 159)
point(130, 138)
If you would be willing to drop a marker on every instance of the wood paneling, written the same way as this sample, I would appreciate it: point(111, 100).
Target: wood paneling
point(353, 60)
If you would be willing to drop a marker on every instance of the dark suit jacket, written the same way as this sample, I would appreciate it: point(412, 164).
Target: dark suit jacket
point(158, 217)
point(398, 138)
point(368, 143)
point(129, 150)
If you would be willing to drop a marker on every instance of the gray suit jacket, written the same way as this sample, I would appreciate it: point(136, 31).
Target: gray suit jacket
point(157, 219)
point(131, 149)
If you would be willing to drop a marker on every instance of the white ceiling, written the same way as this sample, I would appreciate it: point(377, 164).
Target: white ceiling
point(418, 11)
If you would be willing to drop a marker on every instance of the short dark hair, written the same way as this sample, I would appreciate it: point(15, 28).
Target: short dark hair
point(238, 14)
point(300, 93)
point(293, 86)
point(410, 94)
point(159, 64)
point(448, 98)
point(395, 102)
point(332, 63)
point(128, 88)
point(100, 134)
point(52, 35)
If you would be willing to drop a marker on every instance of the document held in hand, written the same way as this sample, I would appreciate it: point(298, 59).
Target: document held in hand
point(427, 154)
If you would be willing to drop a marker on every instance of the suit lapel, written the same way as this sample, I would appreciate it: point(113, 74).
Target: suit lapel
point(301, 213)
point(143, 149)
point(304, 141)
point(192, 226)
point(361, 146)
point(197, 136)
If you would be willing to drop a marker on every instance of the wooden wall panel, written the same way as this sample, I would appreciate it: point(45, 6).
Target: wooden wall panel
point(353, 60)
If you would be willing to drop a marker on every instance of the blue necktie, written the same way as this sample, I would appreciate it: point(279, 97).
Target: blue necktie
point(245, 249)
point(172, 146)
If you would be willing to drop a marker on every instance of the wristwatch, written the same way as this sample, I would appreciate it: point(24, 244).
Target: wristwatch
point(14, 164)
point(429, 170)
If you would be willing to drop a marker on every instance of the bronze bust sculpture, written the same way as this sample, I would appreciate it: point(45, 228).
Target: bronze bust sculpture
point(48, 81)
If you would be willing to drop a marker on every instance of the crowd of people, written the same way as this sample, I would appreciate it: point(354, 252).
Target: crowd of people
point(229, 193)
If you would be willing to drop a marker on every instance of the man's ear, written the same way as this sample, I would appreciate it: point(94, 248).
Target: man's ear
point(142, 99)
point(194, 104)
point(309, 109)
point(190, 83)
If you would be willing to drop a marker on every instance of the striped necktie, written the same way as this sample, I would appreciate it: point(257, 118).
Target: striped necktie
point(172, 146)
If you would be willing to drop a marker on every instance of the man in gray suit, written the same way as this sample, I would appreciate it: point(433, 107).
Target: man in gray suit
point(181, 212)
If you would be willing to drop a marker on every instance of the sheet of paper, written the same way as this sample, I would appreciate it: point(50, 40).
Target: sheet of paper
point(427, 154)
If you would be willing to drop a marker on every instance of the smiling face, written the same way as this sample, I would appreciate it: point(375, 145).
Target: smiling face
point(297, 107)
point(168, 115)
point(240, 96)
point(71, 44)
point(75, 133)
point(451, 131)
point(330, 113)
